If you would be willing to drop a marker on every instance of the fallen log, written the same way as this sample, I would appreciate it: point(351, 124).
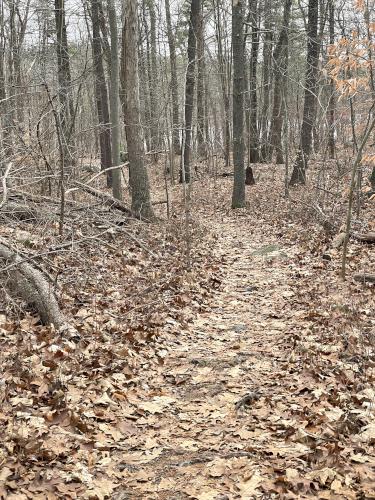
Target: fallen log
point(18, 211)
point(104, 197)
point(364, 237)
point(365, 278)
point(28, 283)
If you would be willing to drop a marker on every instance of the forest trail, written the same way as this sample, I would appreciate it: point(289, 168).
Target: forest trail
point(216, 421)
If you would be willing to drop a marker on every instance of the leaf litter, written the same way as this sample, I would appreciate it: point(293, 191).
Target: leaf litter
point(249, 376)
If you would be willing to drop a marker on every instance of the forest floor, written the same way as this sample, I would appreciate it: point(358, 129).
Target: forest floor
point(258, 383)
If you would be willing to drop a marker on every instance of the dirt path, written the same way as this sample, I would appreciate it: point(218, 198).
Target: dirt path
point(217, 427)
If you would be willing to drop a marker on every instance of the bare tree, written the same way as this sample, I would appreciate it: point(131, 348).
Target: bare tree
point(309, 108)
point(138, 176)
point(238, 196)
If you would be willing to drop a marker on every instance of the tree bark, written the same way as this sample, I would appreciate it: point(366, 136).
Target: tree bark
point(138, 176)
point(195, 12)
point(66, 111)
point(238, 196)
point(309, 108)
point(101, 93)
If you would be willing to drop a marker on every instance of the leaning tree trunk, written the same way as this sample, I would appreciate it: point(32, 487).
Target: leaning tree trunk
point(280, 64)
point(309, 108)
point(195, 13)
point(238, 196)
point(24, 281)
point(174, 84)
point(138, 177)
point(101, 93)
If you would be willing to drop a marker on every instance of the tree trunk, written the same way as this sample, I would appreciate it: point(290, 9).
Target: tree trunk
point(224, 79)
point(195, 13)
point(115, 101)
point(6, 139)
point(154, 86)
point(266, 81)
point(174, 84)
point(332, 95)
point(254, 135)
point(200, 87)
point(138, 176)
point(309, 108)
point(101, 93)
point(280, 57)
point(238, 196)
point(66, 112)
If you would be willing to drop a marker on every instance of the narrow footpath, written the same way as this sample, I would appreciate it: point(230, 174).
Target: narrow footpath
point(217, 429)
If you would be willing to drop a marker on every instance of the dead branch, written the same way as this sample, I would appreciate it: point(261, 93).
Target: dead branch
point(104, 197)
point(364, 237)
point(365, 278)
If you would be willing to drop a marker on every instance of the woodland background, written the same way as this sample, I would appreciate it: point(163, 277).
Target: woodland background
point(187, 222)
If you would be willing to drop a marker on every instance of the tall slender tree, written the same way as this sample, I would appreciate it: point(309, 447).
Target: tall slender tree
point(253, 84)
point(114, 100)
point(309, 107)
point(138, 176)
point(238, 195)
point(66, 114)
point(280, 69)
point(195, 12)
point(101, 92)
point(174, 83)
